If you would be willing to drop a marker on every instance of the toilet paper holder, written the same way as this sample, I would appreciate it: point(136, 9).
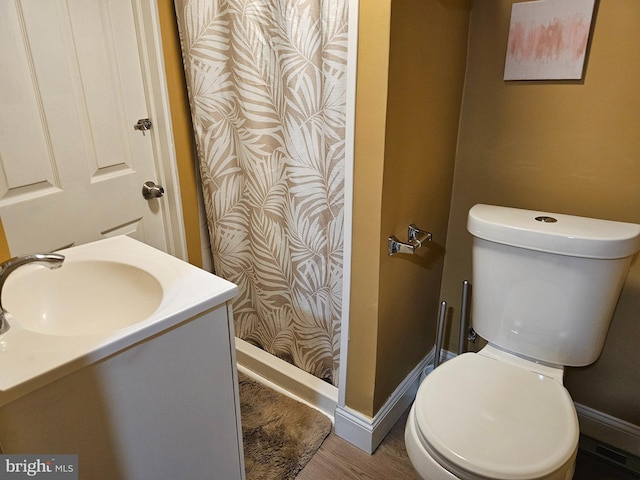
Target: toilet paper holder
point(416, 238)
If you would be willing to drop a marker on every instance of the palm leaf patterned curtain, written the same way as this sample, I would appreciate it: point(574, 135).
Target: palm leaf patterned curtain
point(267, 84)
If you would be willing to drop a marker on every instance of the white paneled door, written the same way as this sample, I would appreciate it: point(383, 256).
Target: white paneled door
point(72, 87)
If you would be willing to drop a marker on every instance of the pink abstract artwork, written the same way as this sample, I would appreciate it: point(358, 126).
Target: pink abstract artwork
point(548, 39)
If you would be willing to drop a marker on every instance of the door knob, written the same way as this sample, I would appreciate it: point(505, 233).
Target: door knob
point(151, 190)
point(143, 125)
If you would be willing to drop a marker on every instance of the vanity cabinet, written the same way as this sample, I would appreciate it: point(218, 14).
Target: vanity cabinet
point(155, 400)
point(165, 408)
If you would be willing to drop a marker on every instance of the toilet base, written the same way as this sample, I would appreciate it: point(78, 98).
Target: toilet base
point(425, 465)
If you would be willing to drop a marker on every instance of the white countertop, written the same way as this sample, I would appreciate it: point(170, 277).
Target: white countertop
point(30, 359)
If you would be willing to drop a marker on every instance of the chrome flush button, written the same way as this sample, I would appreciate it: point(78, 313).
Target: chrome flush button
point(545, 219)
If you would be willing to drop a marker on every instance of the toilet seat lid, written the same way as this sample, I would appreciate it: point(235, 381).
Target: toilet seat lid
point(496, 420)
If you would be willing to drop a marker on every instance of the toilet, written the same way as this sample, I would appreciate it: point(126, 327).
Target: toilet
point(544, 290)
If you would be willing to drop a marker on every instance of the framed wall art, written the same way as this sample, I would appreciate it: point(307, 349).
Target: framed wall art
point(548, 39)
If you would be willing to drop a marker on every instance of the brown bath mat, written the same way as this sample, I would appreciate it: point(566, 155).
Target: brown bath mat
point(280, 435)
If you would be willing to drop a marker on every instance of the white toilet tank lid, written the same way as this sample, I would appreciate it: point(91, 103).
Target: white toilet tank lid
point(554, 232)
point(495, 419)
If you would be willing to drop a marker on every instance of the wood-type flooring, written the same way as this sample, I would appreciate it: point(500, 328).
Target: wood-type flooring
point(337, 459)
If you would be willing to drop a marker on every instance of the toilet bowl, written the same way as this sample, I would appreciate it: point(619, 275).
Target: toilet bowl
point(544, 290)
point(492, 415)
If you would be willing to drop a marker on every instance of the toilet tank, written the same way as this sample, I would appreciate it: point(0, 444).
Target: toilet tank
point(545, 285)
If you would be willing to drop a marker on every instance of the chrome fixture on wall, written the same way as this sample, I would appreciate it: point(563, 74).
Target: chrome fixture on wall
point(416, 238)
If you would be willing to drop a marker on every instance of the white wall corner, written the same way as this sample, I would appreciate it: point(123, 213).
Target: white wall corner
point(366, 432)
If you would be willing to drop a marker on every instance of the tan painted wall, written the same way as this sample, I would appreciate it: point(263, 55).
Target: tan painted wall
point(371, 101)
point(562, 147)
point(411, 62)
point(182, 129)
point(5, 254)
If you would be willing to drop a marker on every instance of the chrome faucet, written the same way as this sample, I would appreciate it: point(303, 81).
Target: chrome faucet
point(51, 260)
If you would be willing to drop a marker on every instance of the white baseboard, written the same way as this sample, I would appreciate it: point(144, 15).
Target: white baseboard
point(286, 378)
point(366, 432)
point(609, 430)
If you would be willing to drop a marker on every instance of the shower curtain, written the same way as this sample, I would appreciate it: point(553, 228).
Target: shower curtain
point(267, 87)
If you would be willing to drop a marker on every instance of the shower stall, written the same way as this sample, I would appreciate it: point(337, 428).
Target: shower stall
point(267, 82)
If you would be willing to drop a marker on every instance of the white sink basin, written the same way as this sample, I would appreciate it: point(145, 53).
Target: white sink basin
point(80, 298)
point(107, 296)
